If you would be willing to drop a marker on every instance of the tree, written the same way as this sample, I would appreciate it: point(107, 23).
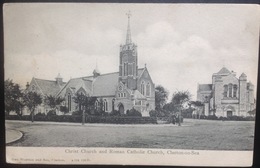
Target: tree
point(79, 99)
point(13, 97)
point(169, 107)
point(53, 101)
point(161, 96)
point(32, 100)
point(64, 109)
point(179, 99)
point(252, 112)
point(86, 102)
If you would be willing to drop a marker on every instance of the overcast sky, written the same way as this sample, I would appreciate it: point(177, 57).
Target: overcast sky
point(182, 45)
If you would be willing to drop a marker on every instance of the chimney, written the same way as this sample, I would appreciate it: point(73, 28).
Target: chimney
point(27, 85)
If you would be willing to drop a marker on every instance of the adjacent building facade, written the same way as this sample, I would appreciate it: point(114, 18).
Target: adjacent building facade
point(130, 87)
point(227, 95)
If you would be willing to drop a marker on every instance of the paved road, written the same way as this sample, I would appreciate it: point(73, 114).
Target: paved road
point(195, 134)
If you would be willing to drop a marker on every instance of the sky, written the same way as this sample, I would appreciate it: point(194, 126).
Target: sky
point(181, 45)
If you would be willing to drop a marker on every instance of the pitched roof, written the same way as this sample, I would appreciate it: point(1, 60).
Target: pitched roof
point(77, 83)
point(205, 87)
point(49, 87)
point(224, 70)
point(102, 85)
point(140, 71)
point(138, 95)
point(105, 85)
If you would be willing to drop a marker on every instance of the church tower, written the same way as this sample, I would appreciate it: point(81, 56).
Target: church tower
point(128, 60)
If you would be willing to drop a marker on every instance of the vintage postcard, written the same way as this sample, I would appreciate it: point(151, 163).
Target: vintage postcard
point(130, 84)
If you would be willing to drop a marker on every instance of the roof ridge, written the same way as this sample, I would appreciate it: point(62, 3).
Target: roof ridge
point(38, 85)
point(45, 80)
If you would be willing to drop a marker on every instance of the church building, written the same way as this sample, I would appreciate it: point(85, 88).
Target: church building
point(130, 87)
point(227, 95)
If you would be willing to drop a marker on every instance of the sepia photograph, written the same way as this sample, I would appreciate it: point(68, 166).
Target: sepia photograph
point(130, 84)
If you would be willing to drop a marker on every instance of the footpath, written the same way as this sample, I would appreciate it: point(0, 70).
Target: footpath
point(12, 135)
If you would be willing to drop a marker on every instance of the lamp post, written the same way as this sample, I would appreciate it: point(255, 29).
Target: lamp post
point(83, 116)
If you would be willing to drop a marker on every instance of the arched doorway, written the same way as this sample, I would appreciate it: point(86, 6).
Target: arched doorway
point(230, 110)
point(121, 108)
point(229, 113)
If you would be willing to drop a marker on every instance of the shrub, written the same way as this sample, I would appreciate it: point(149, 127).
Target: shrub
point(134, 112)
point(115, 113)
point(223, 118)
point(249, 118)
point(64, 109)
point(203, 117)
point(40, 114)
point(212, 117)
point(77, 113)
point(153, 113)
point(51, 113)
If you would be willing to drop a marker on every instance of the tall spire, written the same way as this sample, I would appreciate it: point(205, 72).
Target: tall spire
point(96, 71)
point(128, 35)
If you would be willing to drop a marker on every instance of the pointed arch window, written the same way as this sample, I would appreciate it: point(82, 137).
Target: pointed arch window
point(69, 102)
point(113, 104)
point(105, 105)
point(142, 88)
point(125, 69)
point(235, 91)
point(96, 104)
point(148, 89)
point(130, 69)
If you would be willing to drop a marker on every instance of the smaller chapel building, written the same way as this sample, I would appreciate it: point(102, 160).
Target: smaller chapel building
point(227, 95)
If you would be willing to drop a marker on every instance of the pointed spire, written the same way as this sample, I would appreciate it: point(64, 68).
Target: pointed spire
point(96, 72)
point(128, 35)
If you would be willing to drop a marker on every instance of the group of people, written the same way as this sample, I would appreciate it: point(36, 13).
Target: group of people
point(176, 118)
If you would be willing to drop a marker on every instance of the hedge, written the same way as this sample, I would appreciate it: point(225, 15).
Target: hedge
point(89, 119)
point(231, 118)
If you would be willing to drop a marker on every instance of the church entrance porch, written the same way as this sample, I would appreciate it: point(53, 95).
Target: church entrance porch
point(121, 108)
point(229, 113)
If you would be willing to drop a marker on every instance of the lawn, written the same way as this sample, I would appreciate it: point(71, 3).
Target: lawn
point(193, 134)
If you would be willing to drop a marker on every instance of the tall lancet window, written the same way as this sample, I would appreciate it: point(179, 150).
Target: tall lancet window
point(225, 90)
point(230, 86)
point(69, 102)
point(130, 69)
point(96, 104)
point(125, 69)
point(105, 105)
point(235, 91)
point(142, 88)
point(148, 89)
